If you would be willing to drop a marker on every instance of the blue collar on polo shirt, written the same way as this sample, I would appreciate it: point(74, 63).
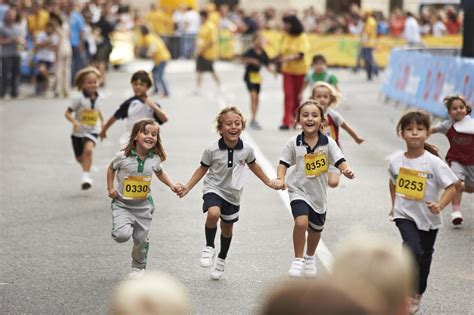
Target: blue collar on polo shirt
point(223, 145)
point(92, 100)
point(322, 140)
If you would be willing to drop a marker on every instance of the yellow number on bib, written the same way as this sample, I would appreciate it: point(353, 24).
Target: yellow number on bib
point(89, 117)
point(411, 184)
point(315, 164)
point(254, 77)
point(136, 187)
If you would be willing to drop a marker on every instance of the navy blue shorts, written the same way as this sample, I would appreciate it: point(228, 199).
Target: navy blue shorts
point(78, 143)
point(229, 212)
point(316, 220)
point(252, 86)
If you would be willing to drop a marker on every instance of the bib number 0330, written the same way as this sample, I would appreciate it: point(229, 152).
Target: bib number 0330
point(136, 187)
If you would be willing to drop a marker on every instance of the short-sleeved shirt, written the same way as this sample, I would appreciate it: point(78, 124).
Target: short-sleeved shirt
point(369, 33)
point(158, 49)
point(83, 107)
point(77, 25)
point(438, 177)
point(312, 190)
point(294, 45)
point(221, 161)
point(46, 53)
point(134, 166)
point(313, 77)
point(461, 147)
point(9, 31)
point(37, 22)
point(334, 120)
point(207, 35)
point(134, 109)
point(252, 53)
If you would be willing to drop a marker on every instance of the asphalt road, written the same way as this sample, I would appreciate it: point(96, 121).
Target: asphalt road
point(57, 256)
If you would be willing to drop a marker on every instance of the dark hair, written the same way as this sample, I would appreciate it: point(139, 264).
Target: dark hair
point(144, 30)
point(448, 102)
point(418, 117)
point(138, 127)
point(318, 58)
point(203, 14)
point(296, 28)
point(142, 76)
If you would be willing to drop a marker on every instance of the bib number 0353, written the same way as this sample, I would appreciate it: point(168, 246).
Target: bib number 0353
point(315, 164)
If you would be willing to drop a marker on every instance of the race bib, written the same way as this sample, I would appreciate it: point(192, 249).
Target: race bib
point(89, 117)
point(315, 164)
point(411, 184)
point(136, 187)
point(254, 77)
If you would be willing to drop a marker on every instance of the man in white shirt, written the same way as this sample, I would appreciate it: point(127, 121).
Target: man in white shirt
point(411, 31)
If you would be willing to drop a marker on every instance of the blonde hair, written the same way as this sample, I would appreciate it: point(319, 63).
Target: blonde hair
point(82, 74)
point(335, 95)
point(220, 116)
point(374, 267)
point(155, 293)
point(140, 126)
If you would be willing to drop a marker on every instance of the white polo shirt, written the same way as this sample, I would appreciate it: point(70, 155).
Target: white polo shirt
point(312, 190)
point(439, 176)
point(81, 105)
point(221, 161)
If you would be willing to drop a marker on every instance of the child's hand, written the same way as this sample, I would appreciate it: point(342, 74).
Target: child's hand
point(434, 207)
point(184, 191)
point(102, 135)
point(76, 126)
point(348, 173)
point(112, 193)
point(359, 140)
point(279, 184)
point(174, 188)
point(390, 215)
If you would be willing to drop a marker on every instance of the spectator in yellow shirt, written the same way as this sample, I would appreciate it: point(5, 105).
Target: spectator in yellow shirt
point(368, 41)
point(155, 18)
point(206, 49)
point(37, 19)
point(294, 46)
point(150, 45)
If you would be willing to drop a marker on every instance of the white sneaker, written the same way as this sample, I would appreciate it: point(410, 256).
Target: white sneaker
point(456, 218)
point(218, 270)
point(207, 257)
point(86, 181)
point(136, 273)
point(296, 269)
point(310, 266)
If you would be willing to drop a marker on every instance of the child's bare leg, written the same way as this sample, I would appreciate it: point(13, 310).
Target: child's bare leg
point(87, 156)
point(198, 79)
point(216, 78)
point(299, 235)
point(313, 241)
point(253, 104)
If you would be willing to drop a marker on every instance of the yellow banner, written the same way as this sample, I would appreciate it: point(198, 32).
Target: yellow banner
point(342, 50)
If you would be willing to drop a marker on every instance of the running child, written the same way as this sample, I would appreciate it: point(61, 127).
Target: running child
point(137, 107)
point(319, 72)
point(132, 204)
point(224, 164)
point(253, 59)
point(327, 97)
point(311, 153)
point(459, 129)
point(86, 117)
point(416, 179)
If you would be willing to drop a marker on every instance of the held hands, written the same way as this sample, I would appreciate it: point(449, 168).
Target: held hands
point(277, 184)
point(434, 207)
point(181, 190)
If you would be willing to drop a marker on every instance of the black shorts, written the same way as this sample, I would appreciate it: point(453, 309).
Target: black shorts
point(78, 142)
point(252, 86)
point(204, 65)
point(229, 212)
point(316, 220)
